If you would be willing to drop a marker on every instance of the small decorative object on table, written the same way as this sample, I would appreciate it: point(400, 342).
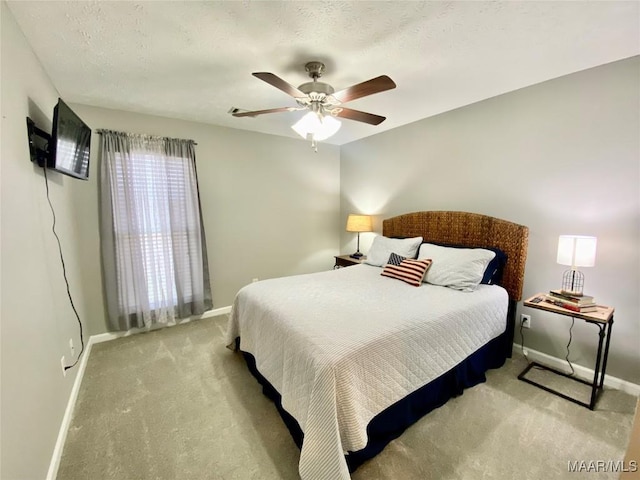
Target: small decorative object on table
point(583, 303)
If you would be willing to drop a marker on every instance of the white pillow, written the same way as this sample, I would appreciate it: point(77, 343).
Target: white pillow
point(458, 268)
point(382, 247)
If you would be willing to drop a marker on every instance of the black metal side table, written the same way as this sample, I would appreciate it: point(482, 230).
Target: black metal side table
point(603, 319)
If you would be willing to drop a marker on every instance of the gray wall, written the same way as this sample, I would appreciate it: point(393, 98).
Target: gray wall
point(270, 205)
point(37, 321)
point(562, 157)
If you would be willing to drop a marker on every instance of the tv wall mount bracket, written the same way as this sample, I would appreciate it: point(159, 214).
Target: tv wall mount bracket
point(38, 143)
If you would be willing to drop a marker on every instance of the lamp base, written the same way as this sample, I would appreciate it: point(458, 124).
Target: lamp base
point(357, 255)
point(572, 283)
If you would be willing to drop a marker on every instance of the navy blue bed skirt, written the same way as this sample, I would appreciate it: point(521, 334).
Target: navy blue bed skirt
point(394, 420)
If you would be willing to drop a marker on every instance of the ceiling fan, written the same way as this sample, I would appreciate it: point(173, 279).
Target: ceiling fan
point(322, 101)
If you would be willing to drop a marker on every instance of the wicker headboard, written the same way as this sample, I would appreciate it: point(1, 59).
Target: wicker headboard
point(469, 230)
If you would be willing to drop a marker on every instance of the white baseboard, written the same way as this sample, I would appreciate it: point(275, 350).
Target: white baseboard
point(581, 372)
point(73, 397)
point(216, 312)
point(68, 414)
point(105, 337)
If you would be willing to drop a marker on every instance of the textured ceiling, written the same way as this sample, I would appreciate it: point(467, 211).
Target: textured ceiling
point(193, 60)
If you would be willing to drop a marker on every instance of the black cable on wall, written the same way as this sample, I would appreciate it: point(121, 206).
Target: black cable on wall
point(64, 271)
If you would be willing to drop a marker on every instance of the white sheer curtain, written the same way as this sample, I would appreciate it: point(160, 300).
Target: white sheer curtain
point(153, 242)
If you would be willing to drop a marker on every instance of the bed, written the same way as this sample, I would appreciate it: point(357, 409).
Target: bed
point(352, 358)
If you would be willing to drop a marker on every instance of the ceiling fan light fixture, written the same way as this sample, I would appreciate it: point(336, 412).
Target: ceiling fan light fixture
point(322, 101)
point(308, 124)
point(317, 126)
point(329, 126)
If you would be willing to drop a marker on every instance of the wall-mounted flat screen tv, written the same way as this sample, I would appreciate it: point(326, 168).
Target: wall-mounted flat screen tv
point(70, 142)
point(68, 147)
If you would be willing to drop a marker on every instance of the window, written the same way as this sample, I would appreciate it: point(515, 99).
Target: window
point(158, 239)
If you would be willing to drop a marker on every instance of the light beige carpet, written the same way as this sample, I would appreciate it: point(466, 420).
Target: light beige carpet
point(176, 404)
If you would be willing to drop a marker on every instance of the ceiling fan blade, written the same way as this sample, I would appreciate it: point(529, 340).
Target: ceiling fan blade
point(359, 116)
point(255, 113)
point(375, 85)
point(277, 82)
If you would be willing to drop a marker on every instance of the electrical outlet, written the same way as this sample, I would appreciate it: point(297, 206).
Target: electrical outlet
point(64, 371)
point(73, 350)
point(525, 320)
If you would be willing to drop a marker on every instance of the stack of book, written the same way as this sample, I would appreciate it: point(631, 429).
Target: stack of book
point(582, 304)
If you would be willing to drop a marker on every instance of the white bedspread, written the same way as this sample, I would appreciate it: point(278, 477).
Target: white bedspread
point(343, 345)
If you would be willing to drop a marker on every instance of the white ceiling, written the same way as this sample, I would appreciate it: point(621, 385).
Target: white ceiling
point(193, 60)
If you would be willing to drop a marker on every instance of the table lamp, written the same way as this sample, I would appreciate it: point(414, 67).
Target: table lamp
point(576, 251)
point(358, 223)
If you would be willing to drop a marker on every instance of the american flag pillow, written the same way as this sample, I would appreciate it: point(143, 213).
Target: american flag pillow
point(405, 269)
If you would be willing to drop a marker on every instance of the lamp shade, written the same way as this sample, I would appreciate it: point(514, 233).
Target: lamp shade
point(307, 124)
point(328, 126)
point(577, 250)
point(359, 223)
point(320, 127)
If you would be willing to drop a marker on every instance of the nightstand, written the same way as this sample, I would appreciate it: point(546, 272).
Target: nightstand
point(347, 261)
point(603, 319)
